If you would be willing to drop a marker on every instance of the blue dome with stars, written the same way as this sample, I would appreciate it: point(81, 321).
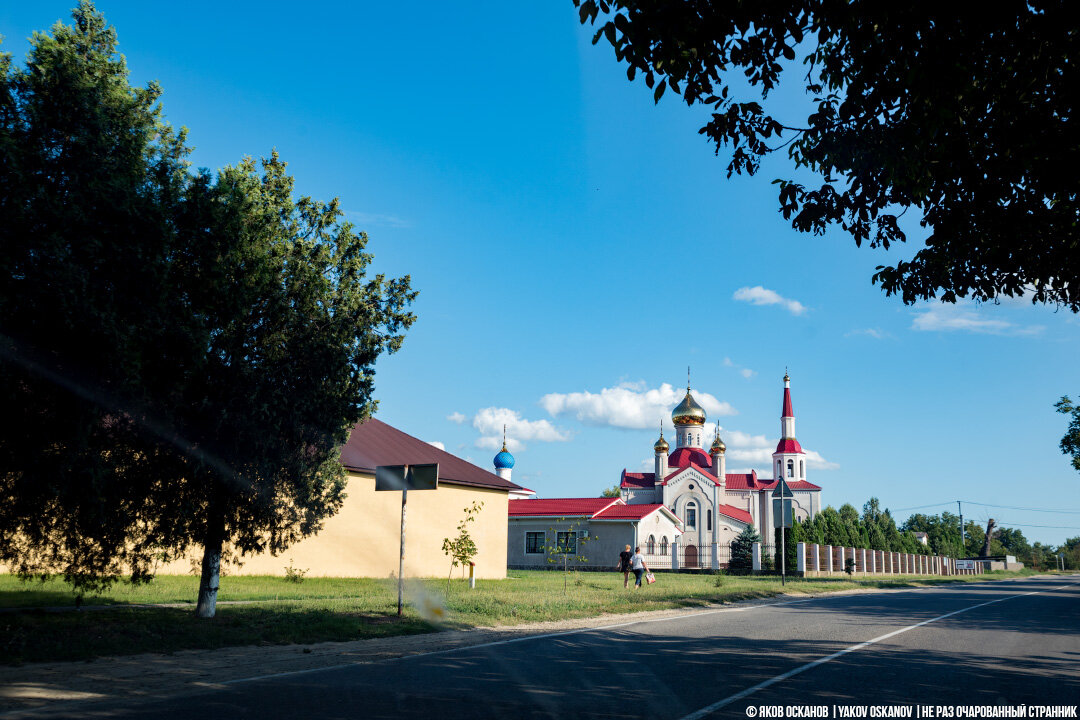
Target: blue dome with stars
point(504, 460)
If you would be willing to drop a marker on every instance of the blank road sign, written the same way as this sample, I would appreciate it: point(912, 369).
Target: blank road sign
point(407, 477)
point(781, 518)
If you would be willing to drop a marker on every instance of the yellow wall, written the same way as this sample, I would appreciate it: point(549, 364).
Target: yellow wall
point(362, 540)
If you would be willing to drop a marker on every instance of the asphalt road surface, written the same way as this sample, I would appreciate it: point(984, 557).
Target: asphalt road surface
point(987, 644)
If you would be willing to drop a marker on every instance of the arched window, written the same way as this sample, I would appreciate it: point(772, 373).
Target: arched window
point(663, 545)
point(802, 468)
point(791, 468)
point(691, 514)
point(708, 520)
point(779, 472)
point(650, 546)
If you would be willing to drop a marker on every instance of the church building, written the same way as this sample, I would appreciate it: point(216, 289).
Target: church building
point(713, 504)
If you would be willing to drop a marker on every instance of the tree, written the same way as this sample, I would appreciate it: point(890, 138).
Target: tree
point(742, 549)
point(967, 119)
point(462, 549)
point(183, 354)
point(566, 546)
point(1070, 443)
point(611, 492)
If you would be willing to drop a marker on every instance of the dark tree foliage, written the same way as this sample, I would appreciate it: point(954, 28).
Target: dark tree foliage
point(1070, 442)
point(742, 550)
point(968, 117)
point(181, 355)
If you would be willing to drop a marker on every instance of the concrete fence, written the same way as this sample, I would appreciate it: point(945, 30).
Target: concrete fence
point(813, 560)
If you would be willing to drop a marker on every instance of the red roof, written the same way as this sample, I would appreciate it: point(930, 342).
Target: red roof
point(373, 443)
point(735, 514)
point(787, 411)
point(685, 456)
point(793, 484)
point(639, 480)
point(742, 481)
point(627, 512)
point(788, 445)
point(588, 507)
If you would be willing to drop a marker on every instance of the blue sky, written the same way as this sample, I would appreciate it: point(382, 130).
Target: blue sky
point(577, 247)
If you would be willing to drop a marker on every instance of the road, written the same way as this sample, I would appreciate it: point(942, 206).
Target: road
point(1000, 643)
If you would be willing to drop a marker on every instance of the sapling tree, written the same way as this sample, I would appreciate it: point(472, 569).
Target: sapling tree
point(567, 546)
point(462, 549)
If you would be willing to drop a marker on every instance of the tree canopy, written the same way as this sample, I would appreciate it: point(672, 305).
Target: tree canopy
point(969, 118)
point(181, 354)
point(1070, 441)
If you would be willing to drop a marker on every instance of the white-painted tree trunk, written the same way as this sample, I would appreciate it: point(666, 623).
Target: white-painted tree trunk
point(208, 585)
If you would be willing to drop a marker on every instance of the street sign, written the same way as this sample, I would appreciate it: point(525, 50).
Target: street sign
point(407, 477)
point(782, 490)
point(781, 515)
point(965, 564)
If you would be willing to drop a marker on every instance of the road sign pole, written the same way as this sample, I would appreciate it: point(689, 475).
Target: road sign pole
point(783, 552)
point(401, 559)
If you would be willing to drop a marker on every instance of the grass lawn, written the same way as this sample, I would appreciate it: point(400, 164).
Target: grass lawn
point(270, 610)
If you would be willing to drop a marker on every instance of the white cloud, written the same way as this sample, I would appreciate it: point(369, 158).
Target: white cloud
point(876, 333)
point(628, 405)
point(728, 363)
point(747, 373)
point(456, 417)
point(492, 442)
point(949, 318)
point(758, 295)
point(437, 444)
point(814, 461)
point(490, 422)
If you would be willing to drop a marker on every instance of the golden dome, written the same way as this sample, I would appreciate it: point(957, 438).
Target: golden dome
point(661, 445)
point(718, 445)
point(688, 412)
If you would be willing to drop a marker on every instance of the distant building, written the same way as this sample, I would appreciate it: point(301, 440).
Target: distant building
point(923, 538)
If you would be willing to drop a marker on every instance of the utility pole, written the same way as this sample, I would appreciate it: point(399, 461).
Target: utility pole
point(963, 542)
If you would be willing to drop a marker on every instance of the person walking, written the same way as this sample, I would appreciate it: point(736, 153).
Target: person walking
point(637, 563)
point(624, 565)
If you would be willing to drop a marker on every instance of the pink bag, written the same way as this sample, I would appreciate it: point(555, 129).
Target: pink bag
point(649, 578)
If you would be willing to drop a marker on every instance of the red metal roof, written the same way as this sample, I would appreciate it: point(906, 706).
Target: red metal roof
point(577, 507)
point(685, 456)
point(787, 411)
point(735, 514)
point(627, 512)
point(742, 481)
point(639, 480)
point(373, 443)
point(788, 445)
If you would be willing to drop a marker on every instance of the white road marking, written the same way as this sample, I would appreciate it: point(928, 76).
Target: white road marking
point(697, 715)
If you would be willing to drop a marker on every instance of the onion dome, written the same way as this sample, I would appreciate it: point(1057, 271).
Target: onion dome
point(661, 445)
point(688, 412)
point(504, 460)
point(718, 446)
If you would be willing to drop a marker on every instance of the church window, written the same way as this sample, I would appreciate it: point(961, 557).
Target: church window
point(691, 515)
point(791, 468)
point(802, 468)
point(650, 546)
point(779, 472)
point(708, 520)
point(663, 545)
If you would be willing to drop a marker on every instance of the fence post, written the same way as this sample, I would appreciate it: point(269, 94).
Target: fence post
point(828, 558)
point(675, 553)
point(716, 556)
point(755, 550)
point(800, 557)
point(817, 557)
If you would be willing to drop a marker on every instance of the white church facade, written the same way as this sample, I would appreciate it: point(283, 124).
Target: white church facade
point(713, 504)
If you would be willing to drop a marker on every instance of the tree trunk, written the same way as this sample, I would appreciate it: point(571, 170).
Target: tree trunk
point(211, 562)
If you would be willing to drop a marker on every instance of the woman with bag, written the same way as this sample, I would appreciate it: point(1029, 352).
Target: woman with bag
point(638, 564)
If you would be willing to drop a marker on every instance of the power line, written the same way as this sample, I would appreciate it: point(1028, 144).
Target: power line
point(1056, 527)
point(972, 502)
point(1012, 507)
